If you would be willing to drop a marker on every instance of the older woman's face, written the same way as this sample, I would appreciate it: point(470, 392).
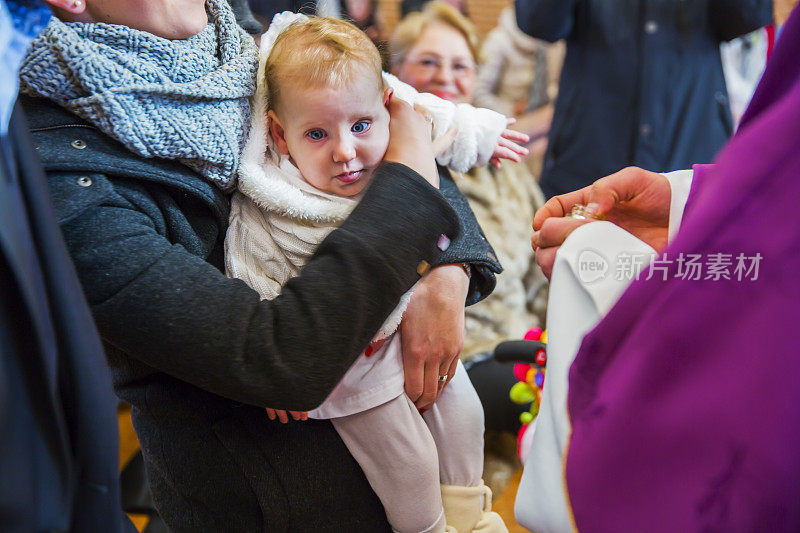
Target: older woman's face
point(440, 62)
point(170, 19)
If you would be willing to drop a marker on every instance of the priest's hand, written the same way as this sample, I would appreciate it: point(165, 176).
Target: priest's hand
point(634, 199)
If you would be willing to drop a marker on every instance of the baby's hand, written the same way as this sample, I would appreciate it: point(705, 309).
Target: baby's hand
point(507, 147)
point(281, 414)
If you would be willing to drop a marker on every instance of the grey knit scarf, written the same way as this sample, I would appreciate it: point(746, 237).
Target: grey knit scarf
point(175, 99)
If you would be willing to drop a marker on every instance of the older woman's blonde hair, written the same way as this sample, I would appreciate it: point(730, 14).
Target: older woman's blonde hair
point(410, 29)
point(319, 51)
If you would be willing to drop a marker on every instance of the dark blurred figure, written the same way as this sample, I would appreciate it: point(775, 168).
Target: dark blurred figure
point(363, 14)
point(245, 17)
point(266, 9)
point(642, 82)
point(410, 6)
point(58, 427)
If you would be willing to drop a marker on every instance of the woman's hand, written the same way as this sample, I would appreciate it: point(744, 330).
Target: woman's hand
point(507, 147)
point(410, 140)
point(634, 199)
point(284, 417)
point(433, 332)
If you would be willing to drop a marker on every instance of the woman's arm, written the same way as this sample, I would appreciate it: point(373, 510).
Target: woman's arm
point(433, 326)
point(170, 309)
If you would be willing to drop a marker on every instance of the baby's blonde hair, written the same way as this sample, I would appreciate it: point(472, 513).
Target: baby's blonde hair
point(319, 51)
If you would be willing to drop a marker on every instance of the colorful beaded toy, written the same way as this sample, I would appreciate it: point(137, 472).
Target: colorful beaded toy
point(529, 390)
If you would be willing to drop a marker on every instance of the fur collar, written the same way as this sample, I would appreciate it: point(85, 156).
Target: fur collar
point(269, 177)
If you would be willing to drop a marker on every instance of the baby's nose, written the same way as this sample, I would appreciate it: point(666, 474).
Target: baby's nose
point(344, 151)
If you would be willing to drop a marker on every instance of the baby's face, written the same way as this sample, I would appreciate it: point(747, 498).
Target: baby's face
point(335, 135)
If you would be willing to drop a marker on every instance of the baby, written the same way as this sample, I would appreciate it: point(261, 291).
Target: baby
point(319, 128)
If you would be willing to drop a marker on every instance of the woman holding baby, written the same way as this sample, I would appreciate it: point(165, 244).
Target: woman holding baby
point(139, 110)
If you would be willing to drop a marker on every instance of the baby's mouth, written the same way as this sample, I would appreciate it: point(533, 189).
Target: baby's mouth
point(349, 177)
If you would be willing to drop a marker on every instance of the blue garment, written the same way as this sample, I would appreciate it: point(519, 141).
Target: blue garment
point(642, 82)
point(20, 22)
point(58, 427)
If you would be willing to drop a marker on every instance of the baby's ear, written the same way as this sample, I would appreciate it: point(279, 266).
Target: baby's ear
point(387, 96)
point(277, 132)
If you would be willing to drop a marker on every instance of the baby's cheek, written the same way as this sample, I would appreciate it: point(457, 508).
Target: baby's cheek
point(383, 144)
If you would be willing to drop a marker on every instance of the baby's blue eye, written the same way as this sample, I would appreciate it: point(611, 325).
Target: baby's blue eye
point(316, 135)
point(361, 126)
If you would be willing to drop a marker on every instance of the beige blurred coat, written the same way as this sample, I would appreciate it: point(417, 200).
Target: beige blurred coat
point(510, 63)
point(504, 202)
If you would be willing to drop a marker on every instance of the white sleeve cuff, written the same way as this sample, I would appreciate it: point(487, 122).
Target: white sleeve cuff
point(680, 182)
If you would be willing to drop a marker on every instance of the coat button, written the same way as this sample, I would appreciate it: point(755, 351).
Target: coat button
point(645, 130)
point(650, 27)
point(720, 97)
point(78, 144)
point(85, 181)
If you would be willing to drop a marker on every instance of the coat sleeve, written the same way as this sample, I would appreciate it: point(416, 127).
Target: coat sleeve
point(550, 20)
point(471, 245)
point(733, 18)
point(171, 310)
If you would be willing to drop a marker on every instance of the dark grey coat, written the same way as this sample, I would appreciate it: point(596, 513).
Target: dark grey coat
point(199, 356)
point(642, 82)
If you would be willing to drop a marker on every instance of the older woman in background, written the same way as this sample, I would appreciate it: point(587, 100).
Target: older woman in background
point(437, 51)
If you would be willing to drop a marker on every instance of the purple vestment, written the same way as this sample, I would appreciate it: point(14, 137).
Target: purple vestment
point(685, 399)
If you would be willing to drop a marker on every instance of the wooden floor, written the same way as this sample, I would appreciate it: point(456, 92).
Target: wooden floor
point(504, 505)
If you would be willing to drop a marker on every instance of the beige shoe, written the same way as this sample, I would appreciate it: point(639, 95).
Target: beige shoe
point(469, 509)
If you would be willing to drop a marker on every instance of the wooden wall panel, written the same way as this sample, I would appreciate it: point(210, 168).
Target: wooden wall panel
point(483, 13)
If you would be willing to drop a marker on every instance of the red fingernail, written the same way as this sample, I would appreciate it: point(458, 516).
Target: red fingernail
point(369, 351)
